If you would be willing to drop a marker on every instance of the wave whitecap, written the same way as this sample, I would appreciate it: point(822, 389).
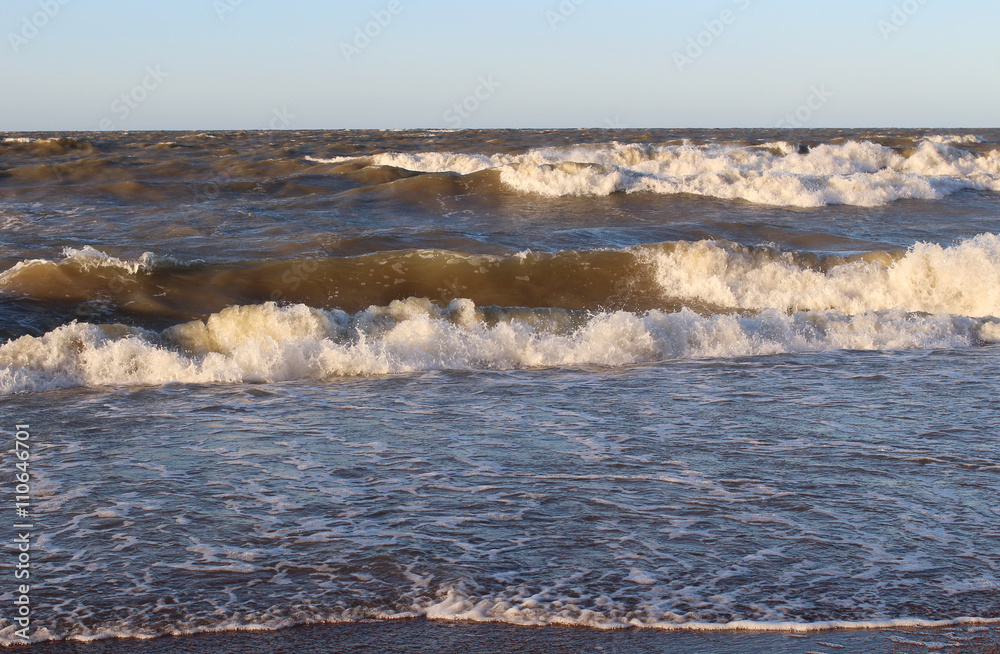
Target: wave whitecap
point(709, 276)
point(266, 343)
point(961, 279)
point(859, 173)
point(698, 299)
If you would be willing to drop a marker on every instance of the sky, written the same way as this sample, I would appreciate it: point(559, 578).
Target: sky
point(293, 64)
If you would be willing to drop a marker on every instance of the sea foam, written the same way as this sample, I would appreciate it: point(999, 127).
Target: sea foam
point(267, 342)
point(961, 279)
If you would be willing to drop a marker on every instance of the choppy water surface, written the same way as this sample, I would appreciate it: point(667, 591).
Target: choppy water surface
point(690, 381)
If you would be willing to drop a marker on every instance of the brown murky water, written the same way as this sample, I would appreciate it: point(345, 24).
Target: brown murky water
point(695, 381)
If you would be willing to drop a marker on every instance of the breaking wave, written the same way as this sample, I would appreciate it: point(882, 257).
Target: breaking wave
point(707, 276)
point(266, 343)
point(400, 312)
point(962, 279)
point(859, 173)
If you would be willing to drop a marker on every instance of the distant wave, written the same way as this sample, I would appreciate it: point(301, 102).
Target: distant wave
point(859, 173)
point(45, 147)
point(866, 171)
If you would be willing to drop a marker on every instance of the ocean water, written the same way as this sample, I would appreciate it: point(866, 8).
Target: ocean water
point(685, 381)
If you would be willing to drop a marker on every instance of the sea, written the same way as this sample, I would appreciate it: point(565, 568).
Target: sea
point(686, 384)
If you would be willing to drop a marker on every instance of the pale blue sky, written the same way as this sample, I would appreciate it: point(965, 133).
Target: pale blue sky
point(253, 64)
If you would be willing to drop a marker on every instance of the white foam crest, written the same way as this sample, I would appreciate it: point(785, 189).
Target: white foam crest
point(439, 162)
point(860, 173)
point(89, 258)
point(86, 258)
point(940, 160)
point(264, 343)
point(18, 139)
point(954, 139)
point(332, 160)
point(962, 279)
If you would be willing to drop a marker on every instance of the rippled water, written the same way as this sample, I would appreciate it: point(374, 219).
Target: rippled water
point(790, 490)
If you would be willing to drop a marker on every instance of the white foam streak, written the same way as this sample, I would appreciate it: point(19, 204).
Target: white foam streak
point(332, 160)
point(457, 610)
point(456, 606)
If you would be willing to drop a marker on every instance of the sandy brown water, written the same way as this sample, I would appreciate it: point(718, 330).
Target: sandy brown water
point(581, 390)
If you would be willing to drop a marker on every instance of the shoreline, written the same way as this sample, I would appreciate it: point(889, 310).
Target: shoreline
point(416, 635)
